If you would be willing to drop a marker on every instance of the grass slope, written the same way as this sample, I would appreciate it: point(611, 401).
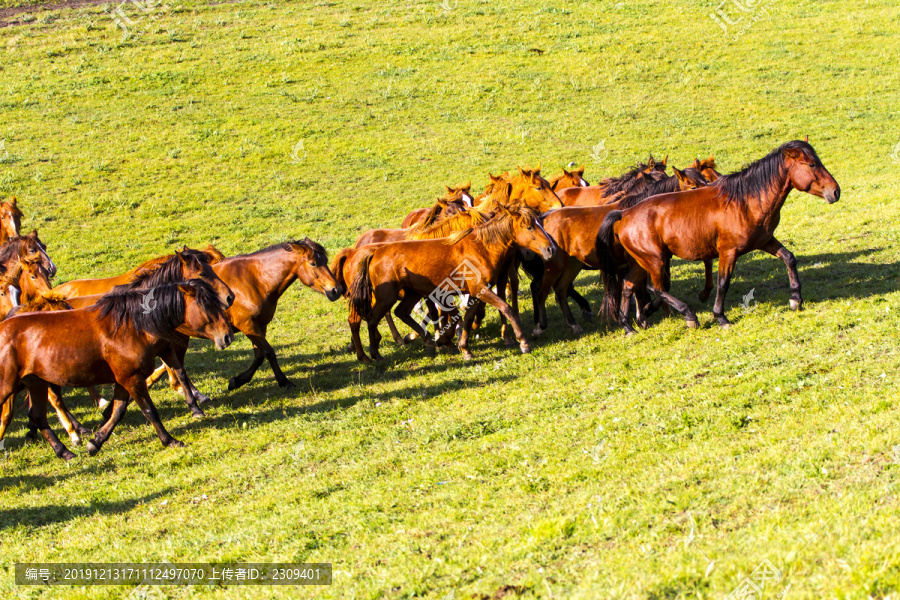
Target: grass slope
point(669, 465)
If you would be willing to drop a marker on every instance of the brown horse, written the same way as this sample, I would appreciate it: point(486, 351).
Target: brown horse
point(27, 245)
point(112, 342)
point(735, 215)
point(97, 287)
point(633, 180)
point(186, 265)
point(707, 168)
point(10, 219)
point(31, 277)
point(456, 199)
point(472, 259)
point(259, 280)
point(567, 179)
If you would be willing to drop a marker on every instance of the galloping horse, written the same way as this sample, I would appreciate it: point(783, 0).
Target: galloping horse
point(474, 257)
point(114, 341)
point(457, 198)
point(632, 180)
point(735, 215)
point(94, 287)
point(258, 281)
point(10, 219)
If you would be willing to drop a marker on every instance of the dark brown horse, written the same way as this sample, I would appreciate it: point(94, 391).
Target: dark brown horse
point(258, 281)
point(114, 341)
point(25, 245)
point(472, 259)
point(735, 215)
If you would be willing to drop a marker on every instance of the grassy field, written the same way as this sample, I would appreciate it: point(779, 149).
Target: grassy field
point(668, 465)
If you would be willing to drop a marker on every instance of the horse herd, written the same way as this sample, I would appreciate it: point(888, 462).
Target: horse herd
point(440, 267)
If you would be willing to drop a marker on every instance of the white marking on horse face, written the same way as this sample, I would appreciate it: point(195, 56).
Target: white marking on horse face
point(49, 260)
point(549, 237)
point(468, 200)
point(13, 292)
point(583, 182)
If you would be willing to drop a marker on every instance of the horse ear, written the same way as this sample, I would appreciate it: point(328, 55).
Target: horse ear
point(522, 172)
point(188, 290)
point(14, 201)
point(580, 170)
point(450, 190)
point(650, 162)
point(665, 160)
point(33, 234)
point(806, 139)
point(537, 171)
point(679, 174)
point(468, 185)
point(696, 164)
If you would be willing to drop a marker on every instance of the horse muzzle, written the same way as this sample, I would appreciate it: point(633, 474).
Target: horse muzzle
point(224, 341)
point(832, 196)
point(547, 253)
point(334, 293)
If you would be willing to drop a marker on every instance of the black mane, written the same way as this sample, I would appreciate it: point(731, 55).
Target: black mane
point(168, 271)
point(662, 186)
point(160, 315)
point(758, 178)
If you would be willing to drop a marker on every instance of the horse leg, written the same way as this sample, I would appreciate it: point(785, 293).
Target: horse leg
point(354, 319)
point(37, 390)
point(404, 313)
point(382, 306)
point(707, 289)
point(259, 355)
point(655, 267)
point(561, 290)
point(775, 248)
point(269, 354)
point(6, 415)
point(73, 428)
point(505, 332)
point(726, 268)
point(550, 273)
point(156, 375)
point(582, 303)
point(170, 357)
point(468, 321)
point(398, 339)
point(634, 279)
point(97, 396)
point(486, 295)
point(112, 415)
point(137, 389)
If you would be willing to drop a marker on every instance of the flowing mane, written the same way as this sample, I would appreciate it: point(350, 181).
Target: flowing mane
point(314, 248)
point(759, 177)
point(127, 305)
point(661, 186)
point(46, 302)
point(639, 174)
point(169, 270)
point(499, 229)
point(450, 224)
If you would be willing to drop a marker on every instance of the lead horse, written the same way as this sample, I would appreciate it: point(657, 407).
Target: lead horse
point(735, 215)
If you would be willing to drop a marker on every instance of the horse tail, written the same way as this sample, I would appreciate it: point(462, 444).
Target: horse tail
point(361, 289)
point(609, 267)
point(337, 266)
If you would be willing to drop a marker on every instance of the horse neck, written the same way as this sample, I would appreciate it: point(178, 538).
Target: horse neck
point(492, 256)
point(767, 207)
point(274, 271)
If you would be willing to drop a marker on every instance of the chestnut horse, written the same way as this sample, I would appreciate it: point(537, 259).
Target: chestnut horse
point(26, 245)
point(457, 198)
point(258, 281)
point(94, 287)
point(473, 259)
point(567, 179)
point(632, 180)
point(10, 219)
point(114, 341)
point(735, 215)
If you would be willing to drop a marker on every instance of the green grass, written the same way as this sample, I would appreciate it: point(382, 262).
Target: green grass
point(573, 472)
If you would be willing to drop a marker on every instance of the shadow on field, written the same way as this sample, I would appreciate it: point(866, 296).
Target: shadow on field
point(34, 516)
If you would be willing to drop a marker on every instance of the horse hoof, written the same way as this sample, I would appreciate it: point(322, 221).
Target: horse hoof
point(349, 347)
point(286, 384)
point(467, 355)
point(704, 295)
point(509, 343)
point(233, 384)
point(430, 351)
point(796, 305)
point(577, 330)
point(629, 332)
point(525, 347)
point(102, 403)
point(537, 332)
point(693, 324)
point(198, 414)
point(588, 316)
point(67, 455)
point(725, 326)
point(202, 398)
point(411, 337)
point(75, 439)
point(175, 444)
point(92, 448)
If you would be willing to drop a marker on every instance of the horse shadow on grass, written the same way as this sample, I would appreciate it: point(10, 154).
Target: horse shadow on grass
point(54, 513)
